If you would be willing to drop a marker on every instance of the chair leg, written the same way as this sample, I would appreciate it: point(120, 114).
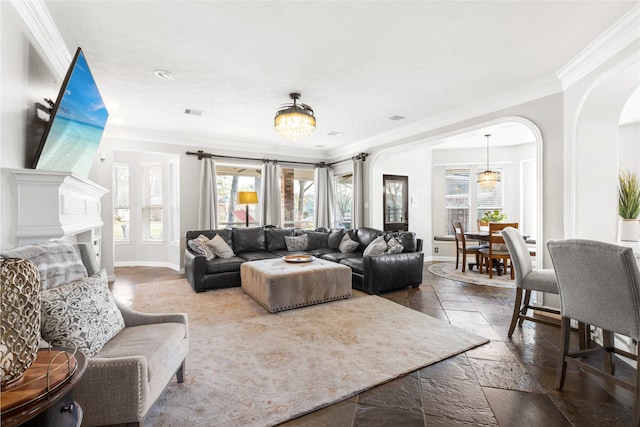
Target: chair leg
point(565, 329)
point(490, 267)
point(464, 261)
point(516, 312)
point(636, 397)
point(525, 303)
point(457, 258)
point(180, 373)
point(607, 343)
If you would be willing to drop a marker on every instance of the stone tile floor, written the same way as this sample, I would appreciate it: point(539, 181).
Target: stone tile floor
point(507, 382)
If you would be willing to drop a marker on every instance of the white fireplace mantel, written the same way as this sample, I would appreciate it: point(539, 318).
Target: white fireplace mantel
point(56, 205)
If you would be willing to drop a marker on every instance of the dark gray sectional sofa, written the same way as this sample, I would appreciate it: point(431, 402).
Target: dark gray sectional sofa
point(372, 274)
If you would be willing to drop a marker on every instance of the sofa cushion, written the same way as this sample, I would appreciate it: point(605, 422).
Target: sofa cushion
point(317, 240)
point(224, 265)
point(337, 256)
point(257, 256)
point(335, 237)
point(248, 240)
point(275, 238)
point(377, 247)
point(220, 247)
point(156, 342)
point(199, 246)
point(365, 236)
point(57, 262)
point(355, 263)
point(347, 245)
point(81, 314)
point(224, 233)
point(297, 243)
point(407, 239)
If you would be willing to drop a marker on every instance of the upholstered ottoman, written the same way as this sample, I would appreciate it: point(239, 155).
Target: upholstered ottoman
point(278, 285)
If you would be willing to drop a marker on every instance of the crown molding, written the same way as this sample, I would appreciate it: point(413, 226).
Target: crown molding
point(36, 17)
point(415, 131)
point(620, 35)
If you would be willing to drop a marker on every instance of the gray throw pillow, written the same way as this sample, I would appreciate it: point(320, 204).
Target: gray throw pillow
point(297, 243)
point(220, 247)
point(57, 262)
point(347, 245)
point(394, 246)
point(81, 314)
point(199, 245)
point(335, 237)
point(377, 247)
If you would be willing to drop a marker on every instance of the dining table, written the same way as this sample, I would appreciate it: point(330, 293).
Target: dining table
point(483, 236)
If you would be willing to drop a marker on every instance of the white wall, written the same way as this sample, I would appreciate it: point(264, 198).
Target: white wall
point(629, 147)
point(25, 79)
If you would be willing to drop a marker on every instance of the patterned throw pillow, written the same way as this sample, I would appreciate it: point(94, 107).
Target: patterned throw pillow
point(297, 243)
point(220, 247)
point(81, 314)
point(394, 246)
point(377, 247)
point(347, 245)
point(199, 245)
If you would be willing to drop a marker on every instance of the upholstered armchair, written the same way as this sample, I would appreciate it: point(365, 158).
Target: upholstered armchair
point(128, 370)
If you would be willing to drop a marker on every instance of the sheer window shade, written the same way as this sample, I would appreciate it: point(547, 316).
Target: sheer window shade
point(174, 194)
point(152, 203)
point(120, 191)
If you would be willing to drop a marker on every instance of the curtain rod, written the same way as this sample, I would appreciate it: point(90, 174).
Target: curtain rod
point(202, 155)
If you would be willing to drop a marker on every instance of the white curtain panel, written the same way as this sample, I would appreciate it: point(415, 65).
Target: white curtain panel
point(207, 204)
point(357, 203)
point(270, 195)
point(324, 185)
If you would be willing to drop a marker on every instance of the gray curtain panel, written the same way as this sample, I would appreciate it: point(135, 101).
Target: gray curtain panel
point(207, 204)
point(270, 195)
point(324, 185)
point(357, 203)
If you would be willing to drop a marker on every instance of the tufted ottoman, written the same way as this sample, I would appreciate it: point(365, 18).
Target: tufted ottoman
point(278, 285)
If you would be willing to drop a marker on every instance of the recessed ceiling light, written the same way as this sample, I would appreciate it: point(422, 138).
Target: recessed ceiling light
point(192, 112)
point(396, 118)
point(163, 74)
point(335, 133)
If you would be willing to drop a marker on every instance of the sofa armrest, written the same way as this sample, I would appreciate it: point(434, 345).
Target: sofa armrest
point(137, 318)
point(122, 382)
point(392, 271)
point(195, 267)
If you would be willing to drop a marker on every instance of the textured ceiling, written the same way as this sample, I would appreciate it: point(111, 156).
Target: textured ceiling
point(356, 63)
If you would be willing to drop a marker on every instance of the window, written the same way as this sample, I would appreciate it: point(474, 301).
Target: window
point(230, 180)
point(174, 195)
point(121, 213)
point(344, 195)
point(465, 201)
point(152, 224)
point(456, 197)
point(298, 198)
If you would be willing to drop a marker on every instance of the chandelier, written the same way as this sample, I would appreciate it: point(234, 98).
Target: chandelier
point(295, 121)
point(488, 179)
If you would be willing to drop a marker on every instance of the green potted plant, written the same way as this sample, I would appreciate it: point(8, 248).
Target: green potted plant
point(495, 216)
point(628, 206)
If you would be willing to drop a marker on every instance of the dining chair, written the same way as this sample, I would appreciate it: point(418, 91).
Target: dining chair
point(463, 248)
point(496, 250)
point(528, 279)
point(483, 225)
point(599, 285)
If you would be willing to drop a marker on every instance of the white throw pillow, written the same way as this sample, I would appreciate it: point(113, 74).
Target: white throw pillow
point(220, 247)
point(81, 314)
point(394, 246)
point(347, 245)
point(297, 243)
point(199, 245)
point(376, 247)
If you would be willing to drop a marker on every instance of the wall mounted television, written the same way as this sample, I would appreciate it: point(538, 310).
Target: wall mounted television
point(78, 117)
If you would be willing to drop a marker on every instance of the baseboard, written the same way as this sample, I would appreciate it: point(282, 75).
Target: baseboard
point(439, 258)
point(147, 264)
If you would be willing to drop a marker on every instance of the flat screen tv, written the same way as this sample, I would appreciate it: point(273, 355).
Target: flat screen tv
point(78, 117)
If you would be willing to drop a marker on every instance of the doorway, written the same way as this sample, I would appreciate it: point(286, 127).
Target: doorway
point(395, 202)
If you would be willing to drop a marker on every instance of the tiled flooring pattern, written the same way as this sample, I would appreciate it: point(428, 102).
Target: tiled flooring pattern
point(507, 382)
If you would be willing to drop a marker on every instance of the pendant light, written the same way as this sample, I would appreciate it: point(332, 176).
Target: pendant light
point(488, 179)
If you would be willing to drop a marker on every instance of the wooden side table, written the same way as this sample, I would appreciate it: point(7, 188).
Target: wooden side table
point(44, 395)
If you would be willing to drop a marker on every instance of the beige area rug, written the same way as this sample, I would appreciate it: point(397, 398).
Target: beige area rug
point(448, 270)
point(247, 367)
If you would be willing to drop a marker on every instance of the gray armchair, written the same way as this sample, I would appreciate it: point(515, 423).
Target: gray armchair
point(599, 285)
point(527, 279)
